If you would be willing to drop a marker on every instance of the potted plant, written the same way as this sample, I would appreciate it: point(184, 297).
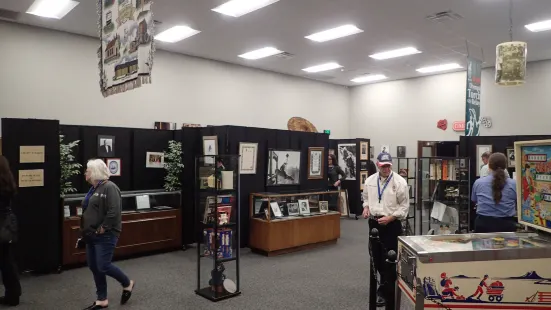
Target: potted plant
point(173, 166)
point(68, 165)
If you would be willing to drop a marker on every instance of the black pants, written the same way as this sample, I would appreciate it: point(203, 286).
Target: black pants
point(333, 199)
point(388, 235)
point(490, 224)
point(8, 269)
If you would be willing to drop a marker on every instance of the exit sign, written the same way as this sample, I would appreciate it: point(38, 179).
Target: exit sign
point(327, 131)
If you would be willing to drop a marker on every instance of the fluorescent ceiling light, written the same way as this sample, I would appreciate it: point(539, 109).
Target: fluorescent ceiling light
point(369, 78)
point(52, 8)
point(323, 67)
point(334, 33)
point(439, 68)
point(261, 53)
point(540, 26)
point(395, 53)
point(176, 33)
point(236, 8)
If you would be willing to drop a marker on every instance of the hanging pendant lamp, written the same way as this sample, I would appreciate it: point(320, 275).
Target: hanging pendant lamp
point(511, 58)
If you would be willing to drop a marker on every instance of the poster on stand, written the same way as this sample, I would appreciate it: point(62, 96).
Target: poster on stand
point(472, 106)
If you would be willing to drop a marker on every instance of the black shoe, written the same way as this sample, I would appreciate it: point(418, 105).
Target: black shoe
point(9, 301)
point(95, 307)
point(127, 294)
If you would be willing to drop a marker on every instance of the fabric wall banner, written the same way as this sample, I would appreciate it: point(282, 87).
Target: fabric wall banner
point(127, 46)
point(472, 111)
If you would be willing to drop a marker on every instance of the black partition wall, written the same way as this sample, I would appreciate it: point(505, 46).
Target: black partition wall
point(229, 138)
point(37, 208)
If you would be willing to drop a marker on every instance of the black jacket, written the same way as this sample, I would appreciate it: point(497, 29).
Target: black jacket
point(104, 209)
point(334, 173)
point(8, 221)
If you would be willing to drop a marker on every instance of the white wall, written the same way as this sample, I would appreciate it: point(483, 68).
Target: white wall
point(54, 75)
point(403, 112)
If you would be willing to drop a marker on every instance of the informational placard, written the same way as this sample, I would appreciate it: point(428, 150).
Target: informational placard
point(31, 178)
point(31, 154)
point(533, 167)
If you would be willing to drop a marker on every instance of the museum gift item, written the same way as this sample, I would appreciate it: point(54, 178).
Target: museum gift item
point(127, 48)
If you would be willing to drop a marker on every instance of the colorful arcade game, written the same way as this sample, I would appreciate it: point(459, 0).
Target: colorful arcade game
point(487, 271)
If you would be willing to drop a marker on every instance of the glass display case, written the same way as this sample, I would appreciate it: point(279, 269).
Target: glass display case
point(443, 193)
point(282, 223)
point(407, 168)
point(474, 271)
point(216, 206)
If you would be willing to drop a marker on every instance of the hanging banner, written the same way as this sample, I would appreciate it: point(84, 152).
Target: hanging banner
point(127, 46)
point(472, 111)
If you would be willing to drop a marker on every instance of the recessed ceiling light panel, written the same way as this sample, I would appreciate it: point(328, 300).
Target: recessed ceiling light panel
point(323, 67)
point(176, 33)
point(438, 68)
point(539, 26)
point(395, 53)
point(236, 8)
point(334, 33)
point(261, 53)
point(56, 9)
point(369, 78)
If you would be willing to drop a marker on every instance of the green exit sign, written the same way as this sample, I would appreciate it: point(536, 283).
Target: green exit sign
point(327, 131)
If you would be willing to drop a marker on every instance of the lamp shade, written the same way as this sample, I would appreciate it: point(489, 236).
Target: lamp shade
point(510, 63)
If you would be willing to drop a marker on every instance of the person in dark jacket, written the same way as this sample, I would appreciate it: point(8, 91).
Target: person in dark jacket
point(8, 237)
point(335, 174)
point(101, 225)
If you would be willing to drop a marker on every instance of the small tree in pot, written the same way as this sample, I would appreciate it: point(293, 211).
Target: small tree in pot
point(173, 166)
point(68, 165)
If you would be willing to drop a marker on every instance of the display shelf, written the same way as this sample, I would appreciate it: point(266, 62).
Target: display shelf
point(218, 217)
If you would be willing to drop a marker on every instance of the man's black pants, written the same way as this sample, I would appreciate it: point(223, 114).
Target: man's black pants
point(388, 235)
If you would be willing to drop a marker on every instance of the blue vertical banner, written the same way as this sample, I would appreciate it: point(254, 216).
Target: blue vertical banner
point(472, 107)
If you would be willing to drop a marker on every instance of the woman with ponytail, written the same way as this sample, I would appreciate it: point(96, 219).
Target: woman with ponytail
point(496, 198)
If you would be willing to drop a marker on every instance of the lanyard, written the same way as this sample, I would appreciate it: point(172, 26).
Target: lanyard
point(380, 192)
point(90, 193)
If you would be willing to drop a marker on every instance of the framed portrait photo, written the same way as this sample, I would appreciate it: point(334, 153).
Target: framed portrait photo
point(155, 160)
point(248, 159)
point(210, 148)
point(401, 151)
point(316, 161)
point(106, 146)
point(364, 150)
point(114, 166)
point(343, 203)
point(511, 158)
point(363, 177)
point(481, 149)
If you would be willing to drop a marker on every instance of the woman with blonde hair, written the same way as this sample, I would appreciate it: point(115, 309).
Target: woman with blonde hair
point(101, 227)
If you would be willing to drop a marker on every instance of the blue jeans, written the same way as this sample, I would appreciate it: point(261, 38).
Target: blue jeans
point(99, 253)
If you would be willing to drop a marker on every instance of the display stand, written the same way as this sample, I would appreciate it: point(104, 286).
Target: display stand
point(410, 166)
point(443, 193)
point(217, 209)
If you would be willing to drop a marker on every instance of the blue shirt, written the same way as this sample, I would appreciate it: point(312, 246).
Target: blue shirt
point(482, 195)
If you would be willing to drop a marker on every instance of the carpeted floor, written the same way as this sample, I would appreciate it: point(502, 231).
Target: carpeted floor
point(331, 277)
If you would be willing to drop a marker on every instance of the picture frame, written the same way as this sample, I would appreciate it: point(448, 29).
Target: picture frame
point(154, 160)
point(106, 146)
point(347, 159)
point(344, 208)
point(324, 206)
point(114, 166)
point(371, 152)
point(385, 148)
point(304, 207)
point(363, 165)
point(283, 167)
point(510, 152)
point(363, 176)
point(210, 148)
point(401, 151)
point(293, 209)
point(532, 176)
point(316, 162)
point(364, 150)
point(249, 157)
point(481, 149)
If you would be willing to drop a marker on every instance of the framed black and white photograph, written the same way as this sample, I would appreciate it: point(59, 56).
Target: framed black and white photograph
point(363, 165)
point(324, 206)
point(371, 152)
point(283, 167)
point(316, 157)
point(481, 149)
point(511, 158)
point(343, 203)
point(248, 159)
point(385, 148)
point(275, 208)
point(106, 146)
point(401, 151)
point(155, 160)
point(347, 159)
point(363, 177)
point(292, 208)
point(304, 207)
point(210, 147)
point(364, 150)
point(114, 166)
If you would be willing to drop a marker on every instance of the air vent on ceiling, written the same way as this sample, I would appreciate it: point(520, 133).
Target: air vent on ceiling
point(284, 55)
point(7, 14)
point(444, 16)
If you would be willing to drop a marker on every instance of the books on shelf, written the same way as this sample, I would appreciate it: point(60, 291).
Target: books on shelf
point(224, 205)
point(224, 242)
